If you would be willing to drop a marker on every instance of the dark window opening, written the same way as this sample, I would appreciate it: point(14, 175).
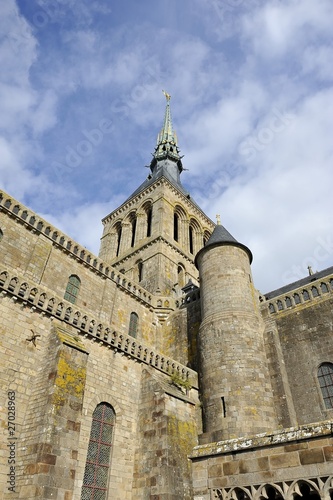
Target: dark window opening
point(149, 221)
point(119, 240)
point(175, 227)
point(133, 232)
point(191, 239)
point(306, 493)
point(223, 407)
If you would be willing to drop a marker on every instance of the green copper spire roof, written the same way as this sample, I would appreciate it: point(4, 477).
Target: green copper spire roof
point(166, 146)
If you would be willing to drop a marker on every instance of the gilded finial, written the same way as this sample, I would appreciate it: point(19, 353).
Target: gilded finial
point(218, 219)
point(167, 96)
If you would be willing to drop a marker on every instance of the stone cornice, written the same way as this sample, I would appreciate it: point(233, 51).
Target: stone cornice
point(278, 437)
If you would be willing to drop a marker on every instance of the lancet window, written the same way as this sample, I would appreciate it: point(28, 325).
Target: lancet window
point(325, 379)
point(72, 289)
point(133, 325)
point(96, 472)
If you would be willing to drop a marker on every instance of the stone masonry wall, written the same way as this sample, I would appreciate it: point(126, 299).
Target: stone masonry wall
point(305, 335)
point(235, 468)
point(167, 433)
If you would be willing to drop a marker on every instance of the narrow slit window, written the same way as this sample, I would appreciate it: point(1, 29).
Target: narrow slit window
point(224, 414)
point(149, 221)
point(175, 227)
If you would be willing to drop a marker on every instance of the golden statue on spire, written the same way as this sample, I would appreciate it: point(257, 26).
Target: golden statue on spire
point(167, 96)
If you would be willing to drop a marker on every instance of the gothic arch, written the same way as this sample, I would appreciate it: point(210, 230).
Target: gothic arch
point(181, 275)
point(303, 489)
point(195, 232)
point(206, 236)
point(269, 491)
point(147, 209)
point(132, 219)
point(117, 229)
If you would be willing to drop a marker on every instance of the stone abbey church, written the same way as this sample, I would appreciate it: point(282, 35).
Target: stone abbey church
point(156, 371)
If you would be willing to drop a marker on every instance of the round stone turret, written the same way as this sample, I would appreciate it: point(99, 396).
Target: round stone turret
point(234, 380)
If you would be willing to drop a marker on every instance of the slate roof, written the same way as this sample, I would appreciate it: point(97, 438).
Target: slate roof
point(163, 170)
point(220, 236)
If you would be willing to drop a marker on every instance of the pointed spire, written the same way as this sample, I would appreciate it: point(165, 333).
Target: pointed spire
point(166, 146)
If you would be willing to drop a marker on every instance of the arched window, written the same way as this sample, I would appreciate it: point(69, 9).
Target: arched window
point(1, 235)
point(175, 227)
point(306, 295)
point(72, 289)
point(297, 298)
point(323, 287)
point(133, 325)
point(325, 378)
point(96, 472)
point(206, 237)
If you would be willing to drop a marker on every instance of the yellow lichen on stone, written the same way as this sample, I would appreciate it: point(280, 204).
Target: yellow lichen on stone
point(70, 381)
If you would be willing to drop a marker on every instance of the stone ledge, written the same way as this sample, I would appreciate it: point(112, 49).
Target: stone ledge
point(278, 437)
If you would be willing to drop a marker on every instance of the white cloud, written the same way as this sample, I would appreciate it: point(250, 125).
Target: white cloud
point(251, 104)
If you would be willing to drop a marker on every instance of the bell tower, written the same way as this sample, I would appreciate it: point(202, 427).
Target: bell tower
point(154, 235)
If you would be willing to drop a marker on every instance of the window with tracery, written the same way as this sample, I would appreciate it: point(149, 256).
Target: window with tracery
point(325, 379)
point(72, 289)
point(96, 473)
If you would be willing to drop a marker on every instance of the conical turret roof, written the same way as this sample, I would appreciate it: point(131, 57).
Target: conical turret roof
point(220, 236)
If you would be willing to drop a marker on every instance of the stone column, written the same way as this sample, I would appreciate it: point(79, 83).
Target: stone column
point(126, 237)
point(141, 227)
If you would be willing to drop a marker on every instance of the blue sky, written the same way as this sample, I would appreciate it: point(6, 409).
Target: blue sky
point(252, 103)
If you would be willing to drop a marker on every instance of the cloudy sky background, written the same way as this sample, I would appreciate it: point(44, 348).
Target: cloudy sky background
point(252, 104)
